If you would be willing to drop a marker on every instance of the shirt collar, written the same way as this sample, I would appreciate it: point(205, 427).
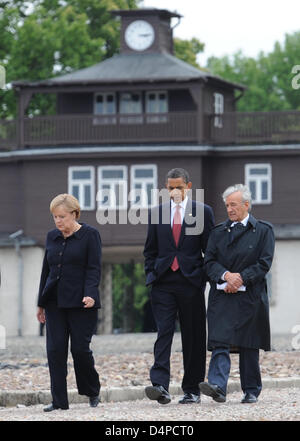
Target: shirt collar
point(244, 221)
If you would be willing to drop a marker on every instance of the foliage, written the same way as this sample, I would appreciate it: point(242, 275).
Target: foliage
point(187, 50)
point(46, 38)
point(267, 77)
point(129, 297)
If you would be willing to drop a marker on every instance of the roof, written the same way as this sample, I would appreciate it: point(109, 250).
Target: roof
point(145, 11)
point(122, 68)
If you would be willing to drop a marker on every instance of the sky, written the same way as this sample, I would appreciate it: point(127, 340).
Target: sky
point(226, 26)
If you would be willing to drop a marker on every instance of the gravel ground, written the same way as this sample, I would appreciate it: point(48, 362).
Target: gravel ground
point(131, 369)
point(273, 405)
point(124, 361)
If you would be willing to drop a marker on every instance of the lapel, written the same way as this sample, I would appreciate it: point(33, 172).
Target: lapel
point(227, 231)
point(166, 223)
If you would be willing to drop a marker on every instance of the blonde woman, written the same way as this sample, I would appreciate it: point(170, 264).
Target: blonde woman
point(68, 300)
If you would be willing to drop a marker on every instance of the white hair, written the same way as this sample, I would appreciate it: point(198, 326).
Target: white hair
point(243, 189)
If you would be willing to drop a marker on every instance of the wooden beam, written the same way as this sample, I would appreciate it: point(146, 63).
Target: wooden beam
point(23, 102)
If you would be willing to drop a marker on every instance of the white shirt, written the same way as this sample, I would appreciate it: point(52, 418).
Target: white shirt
point(182, 206)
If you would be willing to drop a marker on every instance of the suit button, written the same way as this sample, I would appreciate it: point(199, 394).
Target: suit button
point(57, 277)
point(59, 265)
point(64, 243)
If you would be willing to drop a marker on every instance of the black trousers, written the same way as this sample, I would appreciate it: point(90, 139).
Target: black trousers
point(77, 325)
point(176, 297)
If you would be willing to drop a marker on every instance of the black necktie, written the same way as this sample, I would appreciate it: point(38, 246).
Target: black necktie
point(236, 230)
point(238, 225)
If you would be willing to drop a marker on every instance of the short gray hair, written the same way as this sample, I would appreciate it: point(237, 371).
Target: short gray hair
point(243, 189)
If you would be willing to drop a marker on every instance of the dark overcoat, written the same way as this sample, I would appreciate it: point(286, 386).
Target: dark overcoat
point(73, 265)
point(240, 319)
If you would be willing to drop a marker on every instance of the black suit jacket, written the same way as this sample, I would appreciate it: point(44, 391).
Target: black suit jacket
point(160, 248)
point(74, 262)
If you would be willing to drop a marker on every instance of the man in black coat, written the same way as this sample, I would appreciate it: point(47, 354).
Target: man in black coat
point(238, 256)
point(177, 237)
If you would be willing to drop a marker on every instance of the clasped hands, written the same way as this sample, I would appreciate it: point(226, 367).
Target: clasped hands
point(234, 282)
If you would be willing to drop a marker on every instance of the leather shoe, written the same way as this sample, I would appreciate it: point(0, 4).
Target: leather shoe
point(249, 398)
point(213, 390)
point(52, 407)
point(189, 398)
point(94, 401)
point(158, 393)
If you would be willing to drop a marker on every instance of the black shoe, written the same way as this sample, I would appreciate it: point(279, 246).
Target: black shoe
point(189, 398)
point(158, 393)
point(52, 407)
point(94, 401)
point(249, 398)
point(212, 390)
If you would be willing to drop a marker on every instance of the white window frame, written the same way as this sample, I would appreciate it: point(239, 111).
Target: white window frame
point(218, 109)
point(128, 111)
point(259, 179)
point(156, 116)
point(105, 117)
point(113, 182)
point(81, 183)
point(156, 93)
point(104, 95)
point(143, 203)
point(129, 117)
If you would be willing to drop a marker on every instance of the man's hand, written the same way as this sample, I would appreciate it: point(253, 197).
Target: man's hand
point(234, 282)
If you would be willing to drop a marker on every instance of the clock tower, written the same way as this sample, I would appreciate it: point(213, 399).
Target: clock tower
point(146, 30)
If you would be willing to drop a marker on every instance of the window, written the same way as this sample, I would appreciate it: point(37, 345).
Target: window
point(81, 185)
point(131, 103)
point(156, 102)
point(258, 177)
point(143, 181)
point(112, 187)
point(104, 106)
point(218, 109)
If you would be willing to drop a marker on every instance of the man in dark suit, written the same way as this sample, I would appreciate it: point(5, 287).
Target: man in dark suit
point(173, 253)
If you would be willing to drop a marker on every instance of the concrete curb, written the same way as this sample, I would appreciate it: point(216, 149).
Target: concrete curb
point(12, 398)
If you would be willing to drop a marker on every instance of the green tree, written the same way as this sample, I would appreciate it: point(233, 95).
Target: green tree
point(282, 59)
point(187, 50)
point(129, 296)
point(268, 76)
point(50, 38)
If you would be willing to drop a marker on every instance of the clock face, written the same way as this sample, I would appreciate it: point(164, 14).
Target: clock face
point(139, 35)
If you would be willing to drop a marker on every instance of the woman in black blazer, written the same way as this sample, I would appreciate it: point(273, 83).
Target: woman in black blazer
point(68, 300)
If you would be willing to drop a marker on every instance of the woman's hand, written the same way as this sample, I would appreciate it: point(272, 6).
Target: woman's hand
point(88, 302)
point(41, 315)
